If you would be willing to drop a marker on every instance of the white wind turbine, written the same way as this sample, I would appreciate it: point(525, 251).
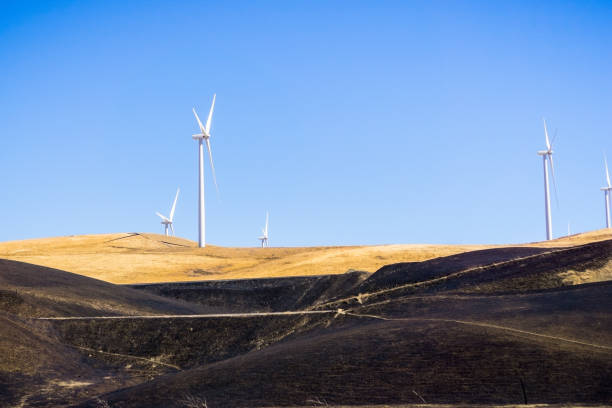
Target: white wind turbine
point(546, 156)
point(200, 137)
point(167, 222)
point(606, 191)
point(264, 237)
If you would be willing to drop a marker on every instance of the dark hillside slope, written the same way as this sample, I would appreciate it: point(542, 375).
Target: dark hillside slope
point(541, 340)
point(386, 363)
point(32, 291)
point(580, 313)
point(258, 295)
point(184, 342)
point(38, 370)
point(493, 271)
point(412, 272)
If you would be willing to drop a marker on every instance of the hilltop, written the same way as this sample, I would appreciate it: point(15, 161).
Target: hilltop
point(148, 258)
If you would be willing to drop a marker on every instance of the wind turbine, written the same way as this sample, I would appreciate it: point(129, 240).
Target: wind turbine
point(200, 137)
point(264, 237)
point(606, 191)
point(167, 222)
point(546, 156)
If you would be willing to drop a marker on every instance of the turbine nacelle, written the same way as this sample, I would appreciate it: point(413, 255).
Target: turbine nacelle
point(545, 152)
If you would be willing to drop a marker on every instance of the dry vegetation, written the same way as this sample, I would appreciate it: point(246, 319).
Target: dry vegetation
point(146, 258)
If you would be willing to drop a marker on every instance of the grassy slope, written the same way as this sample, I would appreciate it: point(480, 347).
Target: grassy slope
point(142, 258)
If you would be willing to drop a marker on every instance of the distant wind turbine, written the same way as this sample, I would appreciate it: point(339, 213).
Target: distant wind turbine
point(264, 237)
point(546, 156)
point(200, 137)
point(606, 191)
point(167, 222)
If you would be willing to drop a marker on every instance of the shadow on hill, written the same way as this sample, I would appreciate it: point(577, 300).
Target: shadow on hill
point(491, 271)
point(495, 326)
point(413, 272)
point(32, 291)
point(386, 363)
point(39, 370)
point(37, 367)
point(184, 342)
point(258, 295)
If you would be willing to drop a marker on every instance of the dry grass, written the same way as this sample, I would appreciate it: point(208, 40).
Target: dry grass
point(147, 258)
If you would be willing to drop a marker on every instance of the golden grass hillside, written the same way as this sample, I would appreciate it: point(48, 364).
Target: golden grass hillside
point(147, 258)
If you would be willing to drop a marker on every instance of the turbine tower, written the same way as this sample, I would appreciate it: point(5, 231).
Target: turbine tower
point(264, 237)
point(167, 222)
point(606, 191)
point(201, 137)
point(547, 156)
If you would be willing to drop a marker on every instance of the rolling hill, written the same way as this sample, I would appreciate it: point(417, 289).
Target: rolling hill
point(365, 358)
point(447, 325)
point(33, 291)
point(453, 343)
point(147, 258)
point(37, 367)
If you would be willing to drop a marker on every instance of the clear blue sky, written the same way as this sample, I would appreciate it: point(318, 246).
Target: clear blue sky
point(351, 122)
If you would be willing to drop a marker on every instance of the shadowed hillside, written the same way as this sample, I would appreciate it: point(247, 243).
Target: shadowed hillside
point(39, 370)
point(502, 325)
point(32, 291)
point(258, 295)
point(184, 342)
point(456, 341)
point(495, 271)
point(384, 363)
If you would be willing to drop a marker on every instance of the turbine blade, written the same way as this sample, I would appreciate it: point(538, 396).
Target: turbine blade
point(172, 228)
point(266, 233)
point(174, 204)
point(161, 216)
point(212, 166)
point(552, 172)
point(209, 120)
point(607, 172)
point(546, 135)
point(554, 138)
point(202, 129)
